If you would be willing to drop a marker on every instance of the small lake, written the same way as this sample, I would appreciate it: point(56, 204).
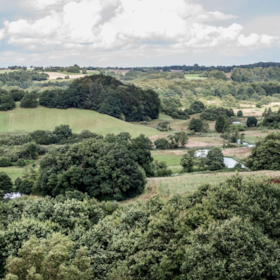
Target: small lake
point(229, 162)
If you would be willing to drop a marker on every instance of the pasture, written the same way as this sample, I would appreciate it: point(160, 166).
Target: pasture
point(194, 77)
point(13, 172)
point(28, 120)
point(188, 183)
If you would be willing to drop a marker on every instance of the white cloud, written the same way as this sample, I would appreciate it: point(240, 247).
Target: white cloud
point(137, 27)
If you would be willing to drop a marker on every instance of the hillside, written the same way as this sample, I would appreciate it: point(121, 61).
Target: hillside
point(28, 120)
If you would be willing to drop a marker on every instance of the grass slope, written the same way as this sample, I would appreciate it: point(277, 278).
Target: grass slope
point(13, 172)
point(28, 120)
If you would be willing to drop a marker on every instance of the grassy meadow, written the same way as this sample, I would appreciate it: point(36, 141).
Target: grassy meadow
point(194, 77)
point(28, 120)
point(13, 172)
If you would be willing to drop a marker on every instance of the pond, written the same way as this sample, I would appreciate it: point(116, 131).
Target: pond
point(245, 144)
point(229, 162)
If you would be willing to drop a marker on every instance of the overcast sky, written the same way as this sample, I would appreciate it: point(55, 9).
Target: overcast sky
point(138, 32)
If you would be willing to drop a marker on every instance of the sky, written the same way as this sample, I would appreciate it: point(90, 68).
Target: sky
point(131, 33)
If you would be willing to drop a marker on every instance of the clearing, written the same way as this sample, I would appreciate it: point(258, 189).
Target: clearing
point(41, 118)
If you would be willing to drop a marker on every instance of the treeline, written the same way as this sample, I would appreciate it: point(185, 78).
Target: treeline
point(22, 79)
point(225, 231)
point(18, 150)
point(106, 95)
point(256, 74)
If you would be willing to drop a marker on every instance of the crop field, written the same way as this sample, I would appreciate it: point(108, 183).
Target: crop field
point(28, 120)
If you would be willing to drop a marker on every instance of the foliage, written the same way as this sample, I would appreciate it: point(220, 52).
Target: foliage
point(198, 125)
point(215, 159)
point(161, 169)
point(17, 94)
point(29, 100)
point(265, 156)
point(50, 258)
point(240, 114)
point(6, 185)
point(196, 108)
point(252, 121)
point(6, 101)
point(163, 126)
point(222, 124)
point(162, 144)
point(5, 162)
point(188, 160)
point(106, 94)
point(104, 169)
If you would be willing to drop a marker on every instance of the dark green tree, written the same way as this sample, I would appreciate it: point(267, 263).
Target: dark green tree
point(251, 122)
point(215, 159)
point(29, 100)
point(62, 132)
point(17, 94)
point(188, 160)
point(222, 124)
point(196, 125)
point(239, 114)
point(6, 185)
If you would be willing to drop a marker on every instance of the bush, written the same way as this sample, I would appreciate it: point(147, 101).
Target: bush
point(162, 144)
point(215, 159)
point(29, 101)
point(196, 125)
point(62, 132)
point(163, 126)
point(240, 114)
point(161, 169)
point(17, 94)
point(5, 162)
point(6, 102)
point(21, 162)
point(251, 122)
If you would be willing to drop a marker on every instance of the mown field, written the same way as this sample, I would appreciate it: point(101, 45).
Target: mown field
point(28, 120)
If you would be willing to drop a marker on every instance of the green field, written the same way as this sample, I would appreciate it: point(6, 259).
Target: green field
point(191, 182)
point(13, 172)
point(28, 120)
point(194, 77)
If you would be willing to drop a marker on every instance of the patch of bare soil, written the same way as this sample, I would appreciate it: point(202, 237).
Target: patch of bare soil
point(55, 75)
point(237, 152)
point(249, 112)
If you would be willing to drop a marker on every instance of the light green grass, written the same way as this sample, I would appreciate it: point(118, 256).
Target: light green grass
point(171, 160)
point(4, 122)
point(13, 172)
point(28, 120)
point(191, 182)
point(194, 77)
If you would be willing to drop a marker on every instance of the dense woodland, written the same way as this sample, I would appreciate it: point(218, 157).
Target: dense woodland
point(228, 231)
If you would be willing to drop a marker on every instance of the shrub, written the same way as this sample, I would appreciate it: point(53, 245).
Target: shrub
point(5, 162)
point(162, 144)
point(29, 101)
point(21, 162)
point(163, 126)
point(251, 121)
